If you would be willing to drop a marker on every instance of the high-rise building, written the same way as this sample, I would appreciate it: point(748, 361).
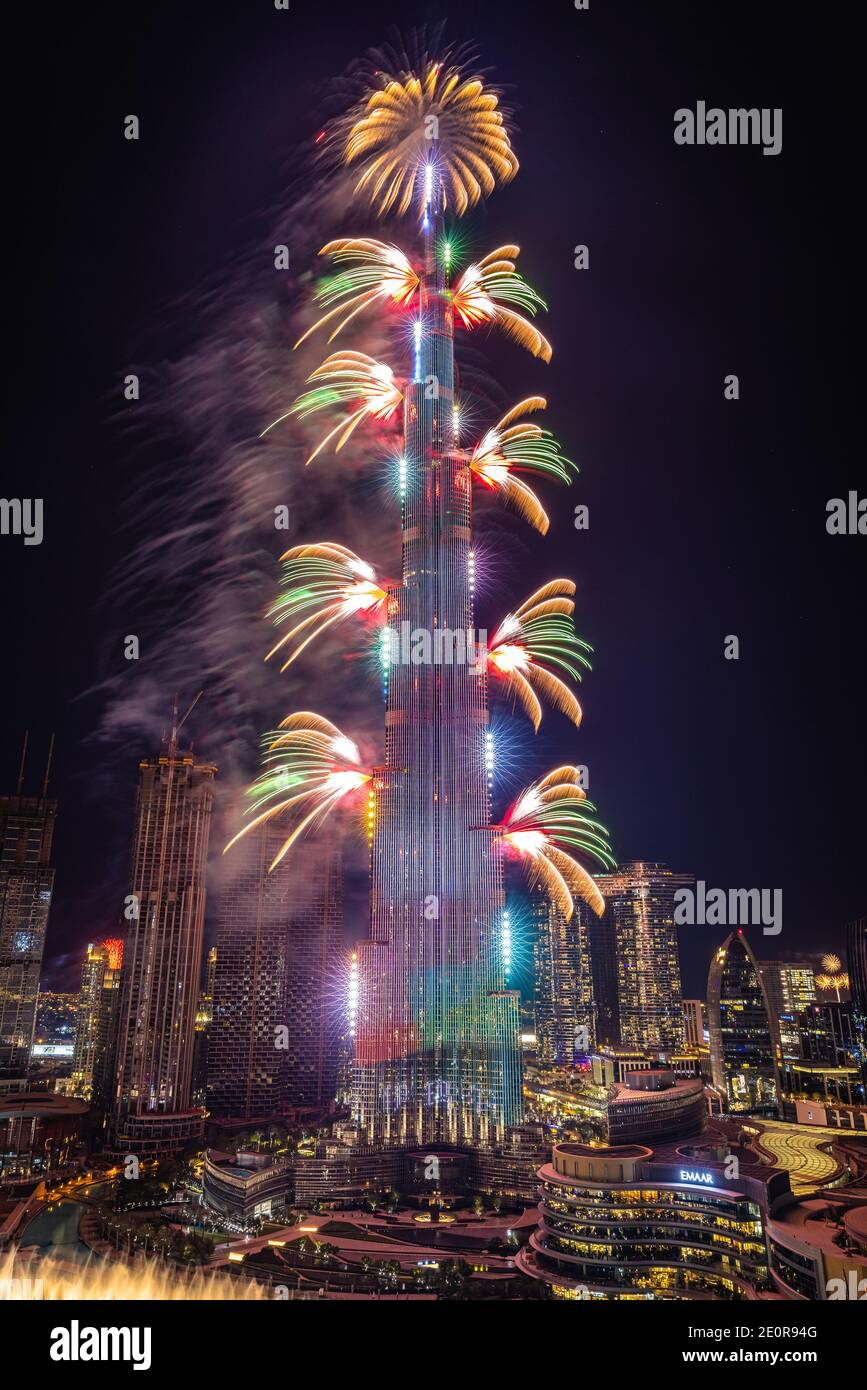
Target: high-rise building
point(856, 959)
point(204, 1019)
point(829, 1065)
point(437, 1046)
point(639, 906)
point(163, 954)
point(744, 1042)
point(602, 935)
point(96, 1019)
point(694, 1022)
point(791, 988)
point(275, 1019)
point(565, 1016)
point(313, 975)
point(26, 885)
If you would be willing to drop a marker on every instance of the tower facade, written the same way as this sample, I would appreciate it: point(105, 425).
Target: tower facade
point(565, 1013)
point(313, 968)
point(640, 908)
point(437, 1045)
point(246, 1067)
point(272, 1038)
point(163, 954)
point(791, 988)
point(96, 1023)
point(856, 958)
point(26, 886)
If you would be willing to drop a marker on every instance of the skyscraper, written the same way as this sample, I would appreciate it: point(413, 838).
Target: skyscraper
point(273, 1034)
point(856, 958)
point(163, 954)
point(565, 1015)
point(602, 935)
point(437, 1045)
point(791, 988)
point(744, 1041)
point(313, 975)
point(639, 906)
point(204, 1019)
point(96, 1024)
point(437, 1035)
point(26, 885)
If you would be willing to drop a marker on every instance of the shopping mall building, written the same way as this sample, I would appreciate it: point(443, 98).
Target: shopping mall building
point(630, 1222)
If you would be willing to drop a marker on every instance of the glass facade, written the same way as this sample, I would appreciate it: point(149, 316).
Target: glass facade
point(639, 904)
point(162, 958)
point(743, 1037)
point(26, 886)
point(437, 1042)
point(564, 1008)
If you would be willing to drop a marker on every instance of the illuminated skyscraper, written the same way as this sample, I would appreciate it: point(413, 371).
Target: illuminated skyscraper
point(26, 884)
point(744, 1041)
point(639, 909)
point(856, 958)
point(96, 1024)
point(438, 1038)
point(565, 1015)
point(204, 1019)
point(437, 1030)
point(791, 988)
point(163, 954)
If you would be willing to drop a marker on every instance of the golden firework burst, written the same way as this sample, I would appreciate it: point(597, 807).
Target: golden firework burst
point(438, 115)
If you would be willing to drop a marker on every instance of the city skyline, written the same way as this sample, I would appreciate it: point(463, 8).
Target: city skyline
point(698, 726)
point(420, 680)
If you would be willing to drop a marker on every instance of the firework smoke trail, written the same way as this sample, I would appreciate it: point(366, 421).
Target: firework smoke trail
point(203, 564)
point(204, 559)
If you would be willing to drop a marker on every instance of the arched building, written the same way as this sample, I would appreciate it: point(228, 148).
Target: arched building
point(744, 1041)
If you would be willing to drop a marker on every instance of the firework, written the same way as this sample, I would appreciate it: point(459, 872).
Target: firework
point(483, 295)
point(310, 759)
point(549, 815)
point(413, 120)
point(372, 272)
point(541, 631)
point(517, 445)
point(114, 946)
point(347, 377)
point(834, 977)
point(329, 579)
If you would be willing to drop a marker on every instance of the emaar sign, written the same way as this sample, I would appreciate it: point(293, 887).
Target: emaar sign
point(693, 1175)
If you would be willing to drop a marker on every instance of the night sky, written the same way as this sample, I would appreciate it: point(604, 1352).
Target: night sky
point(707, 517)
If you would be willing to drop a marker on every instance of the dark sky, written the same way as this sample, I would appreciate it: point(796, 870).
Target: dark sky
point(707, 516)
